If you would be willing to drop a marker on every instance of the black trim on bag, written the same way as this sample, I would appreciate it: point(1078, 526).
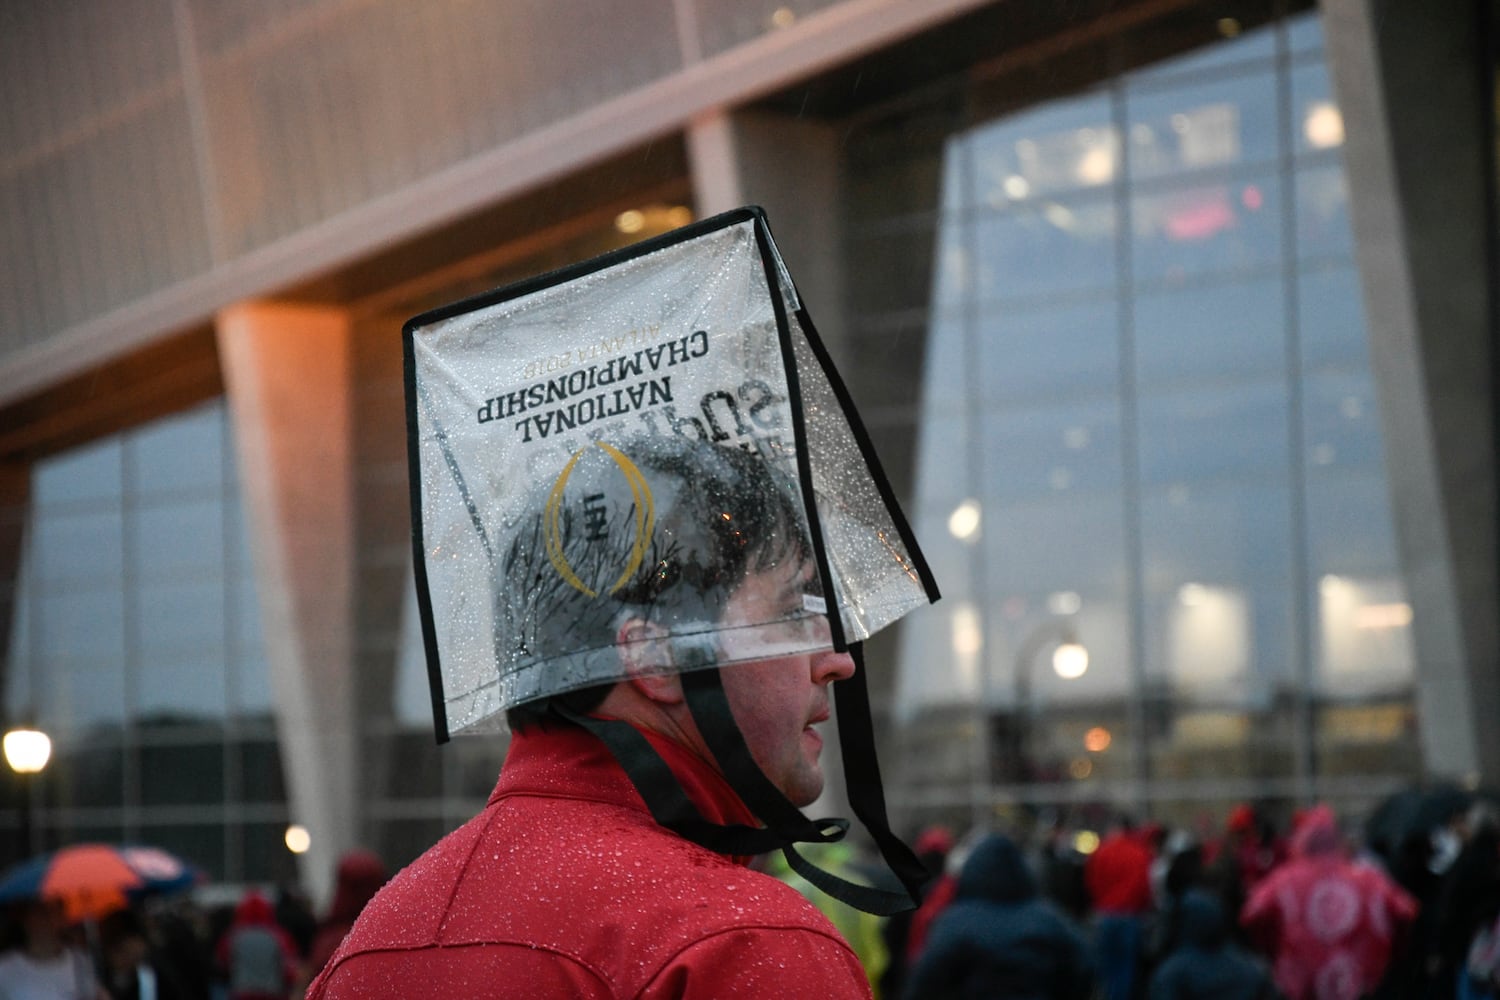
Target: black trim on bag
point(799, 431)
point(418, 545)
point(572, 272)
point(867, 449)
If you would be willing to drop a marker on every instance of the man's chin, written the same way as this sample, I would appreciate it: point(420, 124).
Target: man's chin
point(806, 792)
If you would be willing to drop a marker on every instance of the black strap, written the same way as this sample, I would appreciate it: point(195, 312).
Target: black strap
point(710, 708)
point(862, 776)
point(670, 806)
point(664, 797)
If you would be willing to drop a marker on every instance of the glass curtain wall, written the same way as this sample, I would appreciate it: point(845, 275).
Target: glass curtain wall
point(1147, 460)
point(137, 647)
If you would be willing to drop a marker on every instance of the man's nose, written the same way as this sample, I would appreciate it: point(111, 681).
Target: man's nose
point(829, 666)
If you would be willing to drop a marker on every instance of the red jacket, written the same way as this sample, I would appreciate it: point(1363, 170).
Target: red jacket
point(564, 886)
point(1118, 874)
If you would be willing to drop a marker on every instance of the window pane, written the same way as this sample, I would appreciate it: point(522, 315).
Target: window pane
point(87, 773)
point(1228, 227)
point(250, 681)
point(1349, 524)
point(1317, 124)
point(1323, 228)
point(1343, 422)
point(183, 774)
point(185, 683)
point(1230, 431)
point(1331, 319)
point(1364, 636)
point(1218, 534)
point(80, 625)
point(1050, 452)
point(1230, 749)
point(948, 643)
point(1049, 352)
point(414, 771)
point(400, 841)
point(476, 765)
point(944, 476)
point(1052, 248)
point(1378, 737)
point(1221, 644)
point(182, 452)
point(1233, 328)
point(261, 778)
point(81, 549)
point(1045, 151)
point(948, 373)
point(1221, 123)
point(200, 844)
point(90, 473)
point(184, 538)
point(1304, 34)
point(1024, 636)
point(1066, 543)
point(176, 616)
point(265, 857)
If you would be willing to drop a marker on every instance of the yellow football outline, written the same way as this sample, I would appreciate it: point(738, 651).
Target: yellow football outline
point(645, 519)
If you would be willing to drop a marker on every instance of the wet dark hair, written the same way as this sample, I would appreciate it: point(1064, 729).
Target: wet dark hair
point(721, 513)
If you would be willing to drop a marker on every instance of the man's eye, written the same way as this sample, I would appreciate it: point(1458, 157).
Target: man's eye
point(802, 622)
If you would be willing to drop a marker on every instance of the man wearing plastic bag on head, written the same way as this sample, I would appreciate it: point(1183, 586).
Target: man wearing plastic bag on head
point(631, 542)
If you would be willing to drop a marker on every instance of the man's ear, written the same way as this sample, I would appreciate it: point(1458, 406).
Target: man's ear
point(647, 656)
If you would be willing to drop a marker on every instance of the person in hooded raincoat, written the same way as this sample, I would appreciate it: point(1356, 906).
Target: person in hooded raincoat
point(1330, 924)
point(1206, 965)
point(998, 940)
point(565, 885)
point(256, 956)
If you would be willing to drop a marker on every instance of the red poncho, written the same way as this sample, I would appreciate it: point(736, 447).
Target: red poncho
point(1330, 924)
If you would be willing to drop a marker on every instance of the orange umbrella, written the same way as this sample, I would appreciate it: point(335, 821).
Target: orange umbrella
point(92, 880)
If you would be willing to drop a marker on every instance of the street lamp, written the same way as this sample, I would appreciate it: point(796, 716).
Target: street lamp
point(1070, 660)
point(27, 752)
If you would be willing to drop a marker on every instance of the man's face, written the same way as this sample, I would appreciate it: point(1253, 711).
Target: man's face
point(778, 701)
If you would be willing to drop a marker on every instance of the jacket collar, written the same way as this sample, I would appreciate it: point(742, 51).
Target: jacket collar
point(564, 761)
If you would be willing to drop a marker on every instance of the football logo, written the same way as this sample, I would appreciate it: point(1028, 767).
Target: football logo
point(595, 520)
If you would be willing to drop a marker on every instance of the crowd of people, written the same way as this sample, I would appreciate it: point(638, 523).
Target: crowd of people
point(266, 945)
point(1314, 911)
point(1317, 910)
point(1249, 912)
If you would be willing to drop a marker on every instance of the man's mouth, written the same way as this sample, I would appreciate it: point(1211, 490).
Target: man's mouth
point(814, 738)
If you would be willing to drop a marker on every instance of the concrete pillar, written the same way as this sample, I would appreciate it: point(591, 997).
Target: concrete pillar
point(789, 167)
point(287, 381)
point(1410, 80)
